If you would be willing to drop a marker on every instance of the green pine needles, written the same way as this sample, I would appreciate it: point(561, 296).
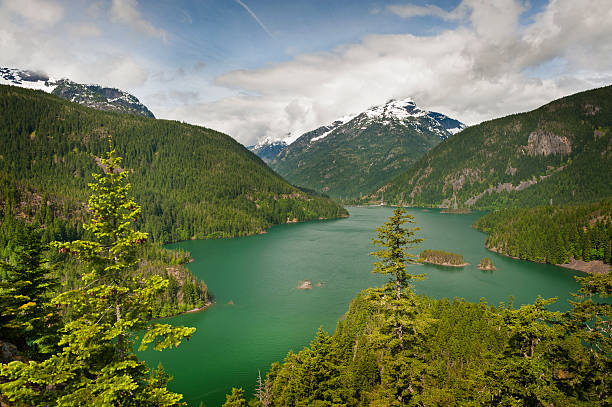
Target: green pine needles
point(27, 318)
point(395, 240)
point(106, 316)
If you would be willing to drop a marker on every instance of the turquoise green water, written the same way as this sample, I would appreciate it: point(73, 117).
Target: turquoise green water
point(270, 316)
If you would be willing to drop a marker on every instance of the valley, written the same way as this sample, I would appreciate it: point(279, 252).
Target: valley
point(268, 315)
point(296, 258)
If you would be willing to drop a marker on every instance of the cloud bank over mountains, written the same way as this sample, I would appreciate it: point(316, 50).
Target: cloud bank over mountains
point(483, 59)
point(488, 66)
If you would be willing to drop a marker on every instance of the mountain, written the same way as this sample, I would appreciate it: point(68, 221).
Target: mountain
point(267, 149)
point(358, 153)
point(559, 153)
point(192, 182)
point(109, 99)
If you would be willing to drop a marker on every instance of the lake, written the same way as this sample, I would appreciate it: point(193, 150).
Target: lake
point(260, 314)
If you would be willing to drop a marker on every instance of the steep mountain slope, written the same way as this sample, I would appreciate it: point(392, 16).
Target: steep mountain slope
point(267, 149)
point(559, 153)
point(355, 154)
point(109, 99)
point(192, 182)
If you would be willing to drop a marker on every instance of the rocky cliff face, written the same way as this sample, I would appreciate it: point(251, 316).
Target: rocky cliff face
point(542, 143)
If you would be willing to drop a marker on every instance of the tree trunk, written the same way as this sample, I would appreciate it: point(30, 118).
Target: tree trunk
point(398, 288)
point(120, 336)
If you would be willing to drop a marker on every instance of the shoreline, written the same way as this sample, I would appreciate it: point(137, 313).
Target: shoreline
point(202, 308)
point(597, 267)
point(446, 264)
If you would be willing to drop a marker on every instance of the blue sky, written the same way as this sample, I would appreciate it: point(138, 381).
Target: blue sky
point(264, 69)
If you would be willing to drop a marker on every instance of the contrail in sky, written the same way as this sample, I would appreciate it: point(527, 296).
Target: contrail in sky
point(256, 18)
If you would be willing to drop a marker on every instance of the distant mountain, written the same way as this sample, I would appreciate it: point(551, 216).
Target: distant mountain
point(559, 153)
point(97, 97)
point(267, 149)
point(358, 153)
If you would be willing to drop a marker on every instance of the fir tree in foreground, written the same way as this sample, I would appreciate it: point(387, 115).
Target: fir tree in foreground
point(96, 364)
point(394, 240)
point(396, 296)
point(27, 318)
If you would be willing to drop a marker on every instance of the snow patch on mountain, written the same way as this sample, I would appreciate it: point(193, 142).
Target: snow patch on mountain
point(267, 149)
point(395, 109)
point(27, 79)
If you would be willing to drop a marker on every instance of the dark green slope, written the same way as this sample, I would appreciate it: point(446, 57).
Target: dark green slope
point(559, 153)
point(344, 169)
point(192, 182)
point(552, 234)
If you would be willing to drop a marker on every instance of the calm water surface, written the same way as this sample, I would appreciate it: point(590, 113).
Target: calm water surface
point(270, 316)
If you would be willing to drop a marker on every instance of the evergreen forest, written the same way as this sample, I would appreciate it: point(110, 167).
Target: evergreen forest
point(193, 182)
point(442, 257)
point(551, 234)
point(76, 347)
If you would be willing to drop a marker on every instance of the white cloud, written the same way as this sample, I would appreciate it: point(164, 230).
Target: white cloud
point(85, 30)
point(73, 49)
point(482, 69)
point(126, 12)
point(47, 12)
point(411, 10)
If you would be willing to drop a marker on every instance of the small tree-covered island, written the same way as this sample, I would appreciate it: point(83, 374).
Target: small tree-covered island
point(442, 258)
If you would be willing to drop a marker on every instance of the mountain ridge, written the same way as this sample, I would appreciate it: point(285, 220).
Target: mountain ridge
point(357, 152)
point(91, 95)
point(267, 149)
point(559, 153)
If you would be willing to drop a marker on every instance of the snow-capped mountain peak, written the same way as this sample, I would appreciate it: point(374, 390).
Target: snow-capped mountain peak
point(267, 149)
point(267, 141)
point(94, 96)
point(356, 153)
point(395, 109)
point(402, 112)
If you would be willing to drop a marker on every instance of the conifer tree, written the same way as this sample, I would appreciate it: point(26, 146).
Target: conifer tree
point(591, 320)
point(96, 364)
point(27, 318)
point(523, 374)
point(394, 240)
point(402, 324)
point(235, 399)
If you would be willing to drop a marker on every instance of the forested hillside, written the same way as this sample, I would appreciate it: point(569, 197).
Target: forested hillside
point(551, 234)
point(559, 153)
point(192, 182)
point(184, 291)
